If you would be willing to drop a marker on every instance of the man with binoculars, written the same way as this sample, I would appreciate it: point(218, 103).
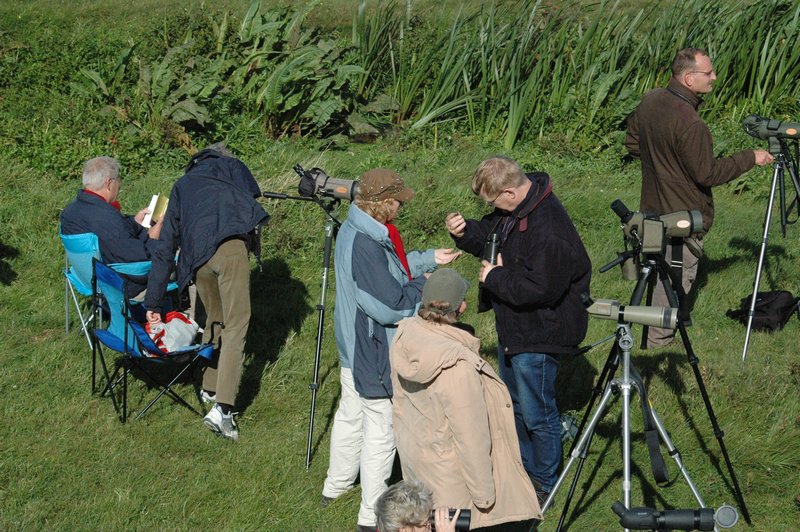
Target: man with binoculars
point(678, 165)
point(534, 288)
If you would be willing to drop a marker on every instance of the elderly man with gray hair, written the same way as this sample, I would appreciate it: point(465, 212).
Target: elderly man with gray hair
point(96, 209)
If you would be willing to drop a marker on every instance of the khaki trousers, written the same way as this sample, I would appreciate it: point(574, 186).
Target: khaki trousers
point(657, 337)
point(223, 284)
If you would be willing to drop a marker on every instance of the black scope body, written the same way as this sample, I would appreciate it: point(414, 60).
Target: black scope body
point(619, 208)
point(462, 523)
point(650, 519)
point(491, 248)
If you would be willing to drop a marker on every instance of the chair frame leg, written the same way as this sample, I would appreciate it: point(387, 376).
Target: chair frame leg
point(167, 389)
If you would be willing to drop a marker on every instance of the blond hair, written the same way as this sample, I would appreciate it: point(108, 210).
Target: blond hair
point(434, 312)
point(496, 174)
point(378, 209)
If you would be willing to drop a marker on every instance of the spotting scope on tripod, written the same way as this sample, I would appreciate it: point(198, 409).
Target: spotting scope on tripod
point(318, 187)
point(778, 134)
point(644, 238)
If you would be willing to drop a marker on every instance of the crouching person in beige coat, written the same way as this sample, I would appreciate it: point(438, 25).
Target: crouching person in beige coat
point(453, 420)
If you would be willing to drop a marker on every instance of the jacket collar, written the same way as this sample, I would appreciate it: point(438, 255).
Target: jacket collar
point(368, 225)
point(201, 156)
point(678, 90)
point(541, 188)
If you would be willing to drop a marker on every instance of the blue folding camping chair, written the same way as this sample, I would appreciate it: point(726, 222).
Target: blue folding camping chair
point(80, 251)
point(126, 335)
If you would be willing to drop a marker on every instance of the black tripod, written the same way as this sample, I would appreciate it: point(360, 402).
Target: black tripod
point(607, 384)
point(331, 226)
point(779, 149)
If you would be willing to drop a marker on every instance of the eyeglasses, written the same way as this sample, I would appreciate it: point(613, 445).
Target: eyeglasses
point(709, 73)
point(491, 203)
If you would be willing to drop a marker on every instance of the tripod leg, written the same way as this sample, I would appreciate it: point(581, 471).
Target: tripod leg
point(782, 204)
point(694, 362)
point(676, 455)
point(582, 445)
point(603, 382)
point(606, 376)
point(778, 174)
point(314, 386)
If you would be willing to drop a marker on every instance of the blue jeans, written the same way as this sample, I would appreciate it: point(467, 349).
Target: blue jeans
point(531, 381)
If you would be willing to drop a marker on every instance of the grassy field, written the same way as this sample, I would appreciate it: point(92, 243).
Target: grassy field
point(66, 463)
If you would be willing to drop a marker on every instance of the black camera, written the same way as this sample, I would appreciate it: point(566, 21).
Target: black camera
point(316, 182)
point(491, 248)
point(462, 523)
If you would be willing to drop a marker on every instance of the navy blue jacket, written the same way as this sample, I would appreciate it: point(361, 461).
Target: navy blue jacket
point(214, 201)
point(121, 239)
point(536, 293)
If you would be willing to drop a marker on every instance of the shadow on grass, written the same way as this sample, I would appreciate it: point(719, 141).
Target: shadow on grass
point(278, 303)
point(673, 376)
point(7, 274)
point(331, 411)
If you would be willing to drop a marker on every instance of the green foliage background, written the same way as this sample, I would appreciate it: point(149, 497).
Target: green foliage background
point(439, 86)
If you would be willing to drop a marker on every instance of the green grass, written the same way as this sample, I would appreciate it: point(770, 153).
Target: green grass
point(68, 464)
point(65, 461)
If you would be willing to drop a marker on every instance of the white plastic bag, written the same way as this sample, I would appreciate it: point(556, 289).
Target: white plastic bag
point(177, 332)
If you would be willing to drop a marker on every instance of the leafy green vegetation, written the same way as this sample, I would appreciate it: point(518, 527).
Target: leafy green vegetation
point(146, 84)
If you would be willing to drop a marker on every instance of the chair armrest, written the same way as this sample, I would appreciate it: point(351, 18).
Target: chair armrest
point(132, 268)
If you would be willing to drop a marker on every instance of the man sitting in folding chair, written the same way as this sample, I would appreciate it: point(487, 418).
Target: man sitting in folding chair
point(96, 210)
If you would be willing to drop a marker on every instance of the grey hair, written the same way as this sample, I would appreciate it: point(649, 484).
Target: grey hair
point(436, 311)
point(220, 148)
point(96, 171)
point(406, 503)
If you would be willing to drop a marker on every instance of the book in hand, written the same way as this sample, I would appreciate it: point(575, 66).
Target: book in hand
point(157, 208)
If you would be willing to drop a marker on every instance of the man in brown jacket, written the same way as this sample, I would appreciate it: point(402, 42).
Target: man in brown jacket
point(678, 164)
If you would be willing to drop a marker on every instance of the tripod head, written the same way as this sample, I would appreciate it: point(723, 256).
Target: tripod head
point(647, 234)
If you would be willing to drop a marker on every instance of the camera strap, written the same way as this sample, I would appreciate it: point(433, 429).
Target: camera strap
point(651, 435)
point(676, 261)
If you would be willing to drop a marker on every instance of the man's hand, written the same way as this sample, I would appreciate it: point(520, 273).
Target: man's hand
point(486, 267)
point(763, 157)
point(139, 217)
point(443, 521)
point(153, 318)
point(445, 255)
point(155, 231)
point(456, 224)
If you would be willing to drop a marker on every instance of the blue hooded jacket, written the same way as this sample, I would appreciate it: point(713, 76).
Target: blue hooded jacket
point(373, 293)
point(215, 200)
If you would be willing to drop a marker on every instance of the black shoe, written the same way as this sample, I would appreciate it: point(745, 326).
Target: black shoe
point(325, 501)
point(542, 496)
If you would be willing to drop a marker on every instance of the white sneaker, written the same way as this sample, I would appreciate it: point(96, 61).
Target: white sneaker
point(208, 397)
point(221, 424)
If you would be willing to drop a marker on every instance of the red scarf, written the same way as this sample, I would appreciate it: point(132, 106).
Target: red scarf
point(397, 242)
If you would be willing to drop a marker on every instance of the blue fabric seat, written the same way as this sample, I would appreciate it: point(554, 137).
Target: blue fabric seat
point(137, 351)
point(80, 251)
